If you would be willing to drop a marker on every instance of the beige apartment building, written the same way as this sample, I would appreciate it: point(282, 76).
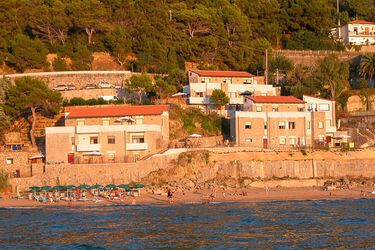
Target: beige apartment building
point(234, 83)
point(109, 133)
point(280, 122)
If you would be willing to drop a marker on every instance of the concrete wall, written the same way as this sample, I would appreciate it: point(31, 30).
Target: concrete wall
point(127, 172)
point(355, 104)
point(77, 78)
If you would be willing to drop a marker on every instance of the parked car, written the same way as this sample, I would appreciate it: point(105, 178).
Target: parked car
point(61, 87)
point(90, 86)
point(118, 86)
point(104, 85)
point(71, 87)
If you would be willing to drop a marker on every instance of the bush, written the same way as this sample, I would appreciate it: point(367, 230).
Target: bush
point(3, 179)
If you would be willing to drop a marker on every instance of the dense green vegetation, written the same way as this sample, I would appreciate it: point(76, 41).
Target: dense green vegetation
point(158, 36)
point(29, 96)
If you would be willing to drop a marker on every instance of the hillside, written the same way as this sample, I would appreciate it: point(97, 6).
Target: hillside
point(157, 36)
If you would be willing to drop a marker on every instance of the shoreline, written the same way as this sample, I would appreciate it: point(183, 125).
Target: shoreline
point(253, 195)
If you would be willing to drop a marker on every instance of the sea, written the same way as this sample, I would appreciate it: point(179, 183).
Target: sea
point(345, 224)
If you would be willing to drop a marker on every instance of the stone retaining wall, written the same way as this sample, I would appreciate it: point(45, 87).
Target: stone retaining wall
point(261, 170)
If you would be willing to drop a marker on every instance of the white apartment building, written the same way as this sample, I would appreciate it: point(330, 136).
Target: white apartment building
point(234, 83)
point(357, 32)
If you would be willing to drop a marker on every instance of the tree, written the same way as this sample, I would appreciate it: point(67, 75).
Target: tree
point(4, 119)
point(91, 16)
point(59, 64)
point(3, 180)
point(332, 76)
point(219, 98)
point(119, 43)
point(139, 84)
point(25, 52)
point(300, 83)
point(367, 67)
point(81, 58)
point(50, 21)
point(31, 96)
point(163, 88)
point(197, 20)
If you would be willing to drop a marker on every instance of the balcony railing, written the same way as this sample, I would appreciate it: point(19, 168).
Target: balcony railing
point(136, 146)
point(88, 147)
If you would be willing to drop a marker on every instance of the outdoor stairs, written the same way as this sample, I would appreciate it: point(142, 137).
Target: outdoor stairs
point(368, 135)
point(150, 155)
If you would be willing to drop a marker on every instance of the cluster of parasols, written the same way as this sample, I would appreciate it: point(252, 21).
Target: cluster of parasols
point(86, 187)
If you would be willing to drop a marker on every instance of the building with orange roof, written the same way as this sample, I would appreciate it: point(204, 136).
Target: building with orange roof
point(357, 32)
point(234, 83)
point(282, 122)
point(108, 133)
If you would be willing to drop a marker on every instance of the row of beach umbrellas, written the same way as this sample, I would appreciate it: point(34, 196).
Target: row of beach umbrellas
point(85, 186)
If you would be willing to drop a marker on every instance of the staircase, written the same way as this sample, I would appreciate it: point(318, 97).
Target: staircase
point(364, 138)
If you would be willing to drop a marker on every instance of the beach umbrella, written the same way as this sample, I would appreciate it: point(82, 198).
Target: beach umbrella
point(58, 188)
point(83, 186)
point(124, 186)
point(70, 187)
point(111, 186)
point(96, 186)
point(35, 188)
point(138, 185)
point(46, 188)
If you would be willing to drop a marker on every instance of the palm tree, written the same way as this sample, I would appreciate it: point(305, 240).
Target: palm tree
point(367, 67)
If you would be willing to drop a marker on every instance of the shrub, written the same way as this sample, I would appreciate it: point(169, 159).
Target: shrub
point(3, 179)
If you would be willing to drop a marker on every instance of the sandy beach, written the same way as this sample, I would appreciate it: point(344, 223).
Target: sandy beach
point(241, 195)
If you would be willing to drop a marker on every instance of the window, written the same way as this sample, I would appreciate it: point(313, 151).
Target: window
point(276, 109)
point(300, 109)
point(259, 109)
point(320, 125)
point(138, 139)
point(282, 140)
point(247, 125)
point(16, 147)
point(73, 140)
point(111, 140)
point(80, 122)
point(105, 122)
point(308, 125)
point(265, 125)
point(324, 107)
point(281, 125)
point(328, 123)
point(292, 125)
point(9, 161)
point(111, 155)
point(139, 120)
point(248, 140)
point(292, 141)
point(94, 140)
point(200, 94)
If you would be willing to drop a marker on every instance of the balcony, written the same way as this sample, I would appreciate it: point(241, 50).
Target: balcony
point(331, 130)
point(88, 147)
point(199, 100)
point(136, 146)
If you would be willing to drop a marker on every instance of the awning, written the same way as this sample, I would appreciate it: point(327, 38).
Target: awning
point(178, 94)
point(93, 153)
point(195, 136)
point(125, 119)
point(36, 157)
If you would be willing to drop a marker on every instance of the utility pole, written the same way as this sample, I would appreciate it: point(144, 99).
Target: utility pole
point(277, 76)
point(170, 15)
point(338, 17)
point(266, 68)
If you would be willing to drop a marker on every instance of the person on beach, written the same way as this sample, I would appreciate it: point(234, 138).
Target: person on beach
point(170, 196)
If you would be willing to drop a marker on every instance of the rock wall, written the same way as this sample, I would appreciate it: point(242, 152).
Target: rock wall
point(194, 168)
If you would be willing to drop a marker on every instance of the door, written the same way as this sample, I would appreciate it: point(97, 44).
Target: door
point(70, 158)
point(265, 143)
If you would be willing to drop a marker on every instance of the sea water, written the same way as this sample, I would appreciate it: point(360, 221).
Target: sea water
point(277, 225)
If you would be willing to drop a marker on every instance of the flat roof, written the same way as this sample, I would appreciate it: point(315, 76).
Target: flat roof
point(360, 22)
point(216, 73)
point(274, 99)
point(114, 110)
